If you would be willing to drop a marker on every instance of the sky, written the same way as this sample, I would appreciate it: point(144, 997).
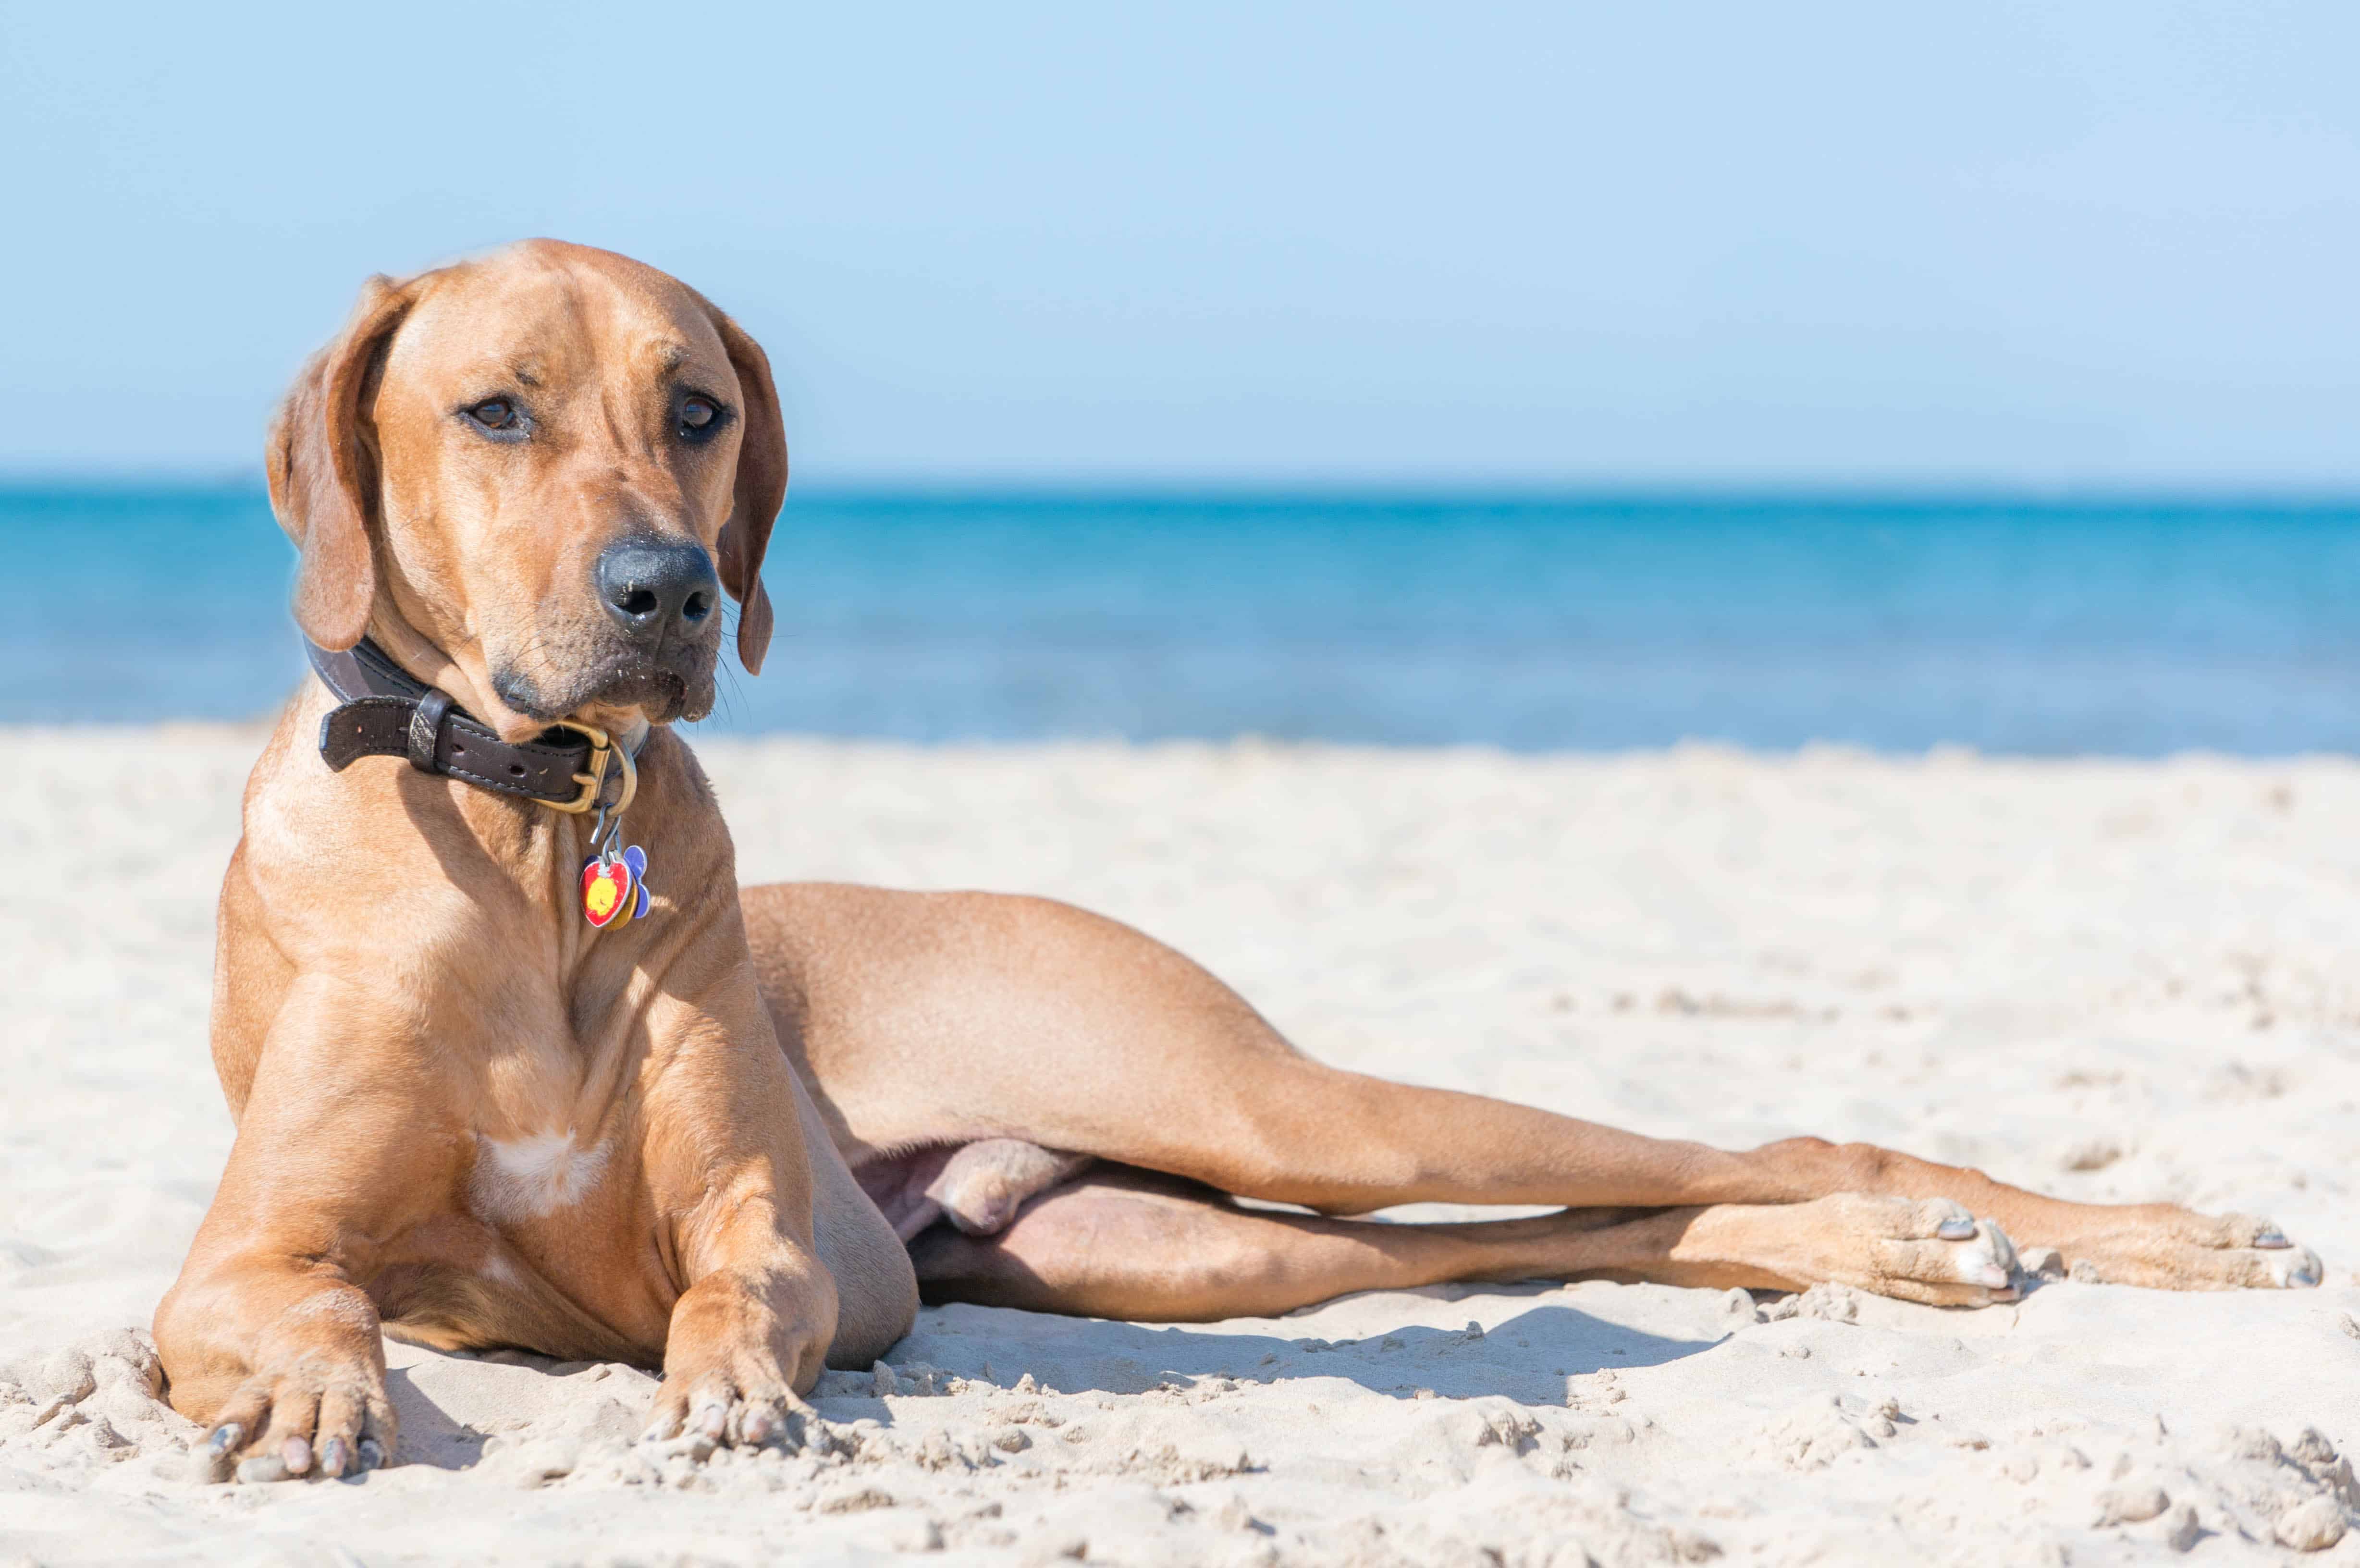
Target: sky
point(2108, 244)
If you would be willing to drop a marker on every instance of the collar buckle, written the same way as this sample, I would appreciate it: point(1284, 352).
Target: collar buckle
point(604, 753)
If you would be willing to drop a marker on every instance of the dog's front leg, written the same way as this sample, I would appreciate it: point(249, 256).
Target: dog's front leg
point(726, 1161)
point(269, 1336)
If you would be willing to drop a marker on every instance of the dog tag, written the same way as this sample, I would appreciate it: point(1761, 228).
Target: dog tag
point(610, 892)
point(637, 859)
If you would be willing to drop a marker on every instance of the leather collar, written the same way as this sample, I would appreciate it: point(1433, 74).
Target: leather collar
point(385, 712)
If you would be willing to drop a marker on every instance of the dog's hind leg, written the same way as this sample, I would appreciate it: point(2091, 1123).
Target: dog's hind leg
point(933, 1020)
point(942, 1020)
point(1129, 1244)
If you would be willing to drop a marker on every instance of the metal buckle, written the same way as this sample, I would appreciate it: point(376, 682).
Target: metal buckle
point(603, 750)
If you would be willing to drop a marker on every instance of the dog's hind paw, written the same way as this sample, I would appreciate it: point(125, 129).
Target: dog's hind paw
point(2168, 1248)
point(1938, 1234)
point(1930, 1250)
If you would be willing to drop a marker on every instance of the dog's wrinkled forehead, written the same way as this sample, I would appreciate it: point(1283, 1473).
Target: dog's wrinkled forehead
point(547, 334)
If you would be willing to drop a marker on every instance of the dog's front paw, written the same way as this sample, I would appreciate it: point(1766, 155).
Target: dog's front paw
point(734, 1365)
point(723, 1411)
point(322, 1416)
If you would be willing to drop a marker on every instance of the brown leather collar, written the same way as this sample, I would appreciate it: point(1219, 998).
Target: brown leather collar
point(386, 712)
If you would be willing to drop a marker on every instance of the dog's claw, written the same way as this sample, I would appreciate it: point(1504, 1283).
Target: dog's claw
point(227, 1439)
point(2271, 1238)
point(714, 1421)
point(1958, 1228)
point(297, 1453)
point(372, 1453)
point(335, 1456)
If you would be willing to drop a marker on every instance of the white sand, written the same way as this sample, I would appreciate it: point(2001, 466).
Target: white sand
point(2109, 981)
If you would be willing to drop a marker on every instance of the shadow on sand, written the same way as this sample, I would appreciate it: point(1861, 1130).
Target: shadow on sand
point(1526, 1359)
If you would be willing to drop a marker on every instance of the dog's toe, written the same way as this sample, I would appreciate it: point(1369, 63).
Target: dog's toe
point(2291, 1266)
point(1988, 1257)
point(1952, 1246)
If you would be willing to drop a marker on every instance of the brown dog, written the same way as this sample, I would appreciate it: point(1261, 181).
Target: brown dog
point(737, 1135)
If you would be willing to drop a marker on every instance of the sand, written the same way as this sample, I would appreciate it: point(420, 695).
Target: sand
point(2113, 981)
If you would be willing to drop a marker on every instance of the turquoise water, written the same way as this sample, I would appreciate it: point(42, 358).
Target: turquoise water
point(1528, 622)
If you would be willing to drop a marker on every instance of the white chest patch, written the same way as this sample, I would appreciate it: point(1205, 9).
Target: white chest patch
point(531, 1177)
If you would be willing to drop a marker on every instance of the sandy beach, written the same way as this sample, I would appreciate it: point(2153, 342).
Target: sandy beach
point(2109, 980)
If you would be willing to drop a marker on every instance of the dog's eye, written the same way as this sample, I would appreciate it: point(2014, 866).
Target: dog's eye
point(497, 418)
point(699, 417)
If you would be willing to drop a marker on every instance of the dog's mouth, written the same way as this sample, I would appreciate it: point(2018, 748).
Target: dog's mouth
point(673, 685)
point(662, 694)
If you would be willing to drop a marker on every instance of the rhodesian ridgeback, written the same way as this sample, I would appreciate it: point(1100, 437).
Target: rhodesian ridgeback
point(516, 1063)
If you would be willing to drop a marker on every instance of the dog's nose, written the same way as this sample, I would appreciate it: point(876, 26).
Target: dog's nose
point(658, 590)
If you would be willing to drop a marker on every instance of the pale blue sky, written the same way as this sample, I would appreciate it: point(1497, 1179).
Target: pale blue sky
point(2102, 242)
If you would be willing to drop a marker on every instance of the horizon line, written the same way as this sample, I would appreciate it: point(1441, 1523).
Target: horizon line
point(1154, 485)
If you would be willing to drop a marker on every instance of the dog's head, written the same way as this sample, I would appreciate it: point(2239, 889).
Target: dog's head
point(542, 468)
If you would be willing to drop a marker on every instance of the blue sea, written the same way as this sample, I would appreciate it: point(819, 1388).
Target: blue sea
point(1533, 622)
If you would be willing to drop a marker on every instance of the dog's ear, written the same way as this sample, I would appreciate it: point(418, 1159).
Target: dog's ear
point(762, 490)
point(322, 468)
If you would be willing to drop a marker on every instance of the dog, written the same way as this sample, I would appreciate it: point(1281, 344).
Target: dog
point(498, 1083)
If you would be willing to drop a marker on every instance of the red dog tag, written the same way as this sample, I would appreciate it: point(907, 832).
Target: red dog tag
point(611, 894)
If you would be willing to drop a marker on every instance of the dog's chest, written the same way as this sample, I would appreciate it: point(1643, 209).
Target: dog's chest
point(534, 1176)
point(552, 1253)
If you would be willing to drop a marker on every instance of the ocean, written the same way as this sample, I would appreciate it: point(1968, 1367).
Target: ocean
point(1530, 622)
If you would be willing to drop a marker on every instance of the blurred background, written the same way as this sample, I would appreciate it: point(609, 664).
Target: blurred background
point(1539, 377)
